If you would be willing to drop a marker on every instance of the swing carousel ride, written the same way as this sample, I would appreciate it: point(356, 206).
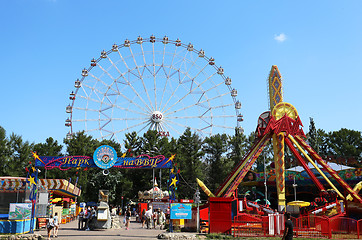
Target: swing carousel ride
point(283, 127)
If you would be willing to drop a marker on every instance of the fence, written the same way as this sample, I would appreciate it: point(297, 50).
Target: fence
point(246, 225)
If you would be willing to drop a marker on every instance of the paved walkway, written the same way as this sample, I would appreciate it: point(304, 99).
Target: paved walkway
point(135, 232)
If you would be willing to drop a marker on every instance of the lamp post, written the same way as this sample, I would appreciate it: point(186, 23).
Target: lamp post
point(266, 187)
point(197, 200)
point(153, 151)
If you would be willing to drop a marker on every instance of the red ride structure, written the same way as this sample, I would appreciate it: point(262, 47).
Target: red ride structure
point(283, 127)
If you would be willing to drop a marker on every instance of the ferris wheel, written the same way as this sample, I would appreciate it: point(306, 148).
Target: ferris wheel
point(153, 83)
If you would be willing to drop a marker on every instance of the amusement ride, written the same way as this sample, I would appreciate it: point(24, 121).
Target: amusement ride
point(153, 83)
point(282, 126)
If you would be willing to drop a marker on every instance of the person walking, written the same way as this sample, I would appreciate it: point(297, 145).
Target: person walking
point(87, 218)
point(128, 215)
point(154, 218)
point(56, 225)
point(148, 215)
point(50, 225)
point(80, 219)
point(143, 218)
point(161, 218)
point(288, 229)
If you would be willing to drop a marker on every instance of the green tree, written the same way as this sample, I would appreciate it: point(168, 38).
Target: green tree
point(218, 166)
point(4, 152)
point(80, 145)
point(238, 149)
point(189, 155)
point(346, 143)
point(20, 156)
point(133, 143)
point(312, 136)
point(49, 148)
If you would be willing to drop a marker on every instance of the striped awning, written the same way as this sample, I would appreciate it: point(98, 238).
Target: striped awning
point(12, 184)
point(59, 186)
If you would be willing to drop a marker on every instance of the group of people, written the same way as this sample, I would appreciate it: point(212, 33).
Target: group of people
point(53, 223)
point(85, 218)
point(152, 219)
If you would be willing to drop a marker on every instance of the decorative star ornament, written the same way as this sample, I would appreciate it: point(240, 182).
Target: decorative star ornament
point(31, 180)
point(174, 181)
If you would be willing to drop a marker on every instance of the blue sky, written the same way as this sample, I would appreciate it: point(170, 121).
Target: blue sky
point(317, 46)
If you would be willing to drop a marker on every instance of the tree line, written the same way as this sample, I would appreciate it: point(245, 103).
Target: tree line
point(210, 159)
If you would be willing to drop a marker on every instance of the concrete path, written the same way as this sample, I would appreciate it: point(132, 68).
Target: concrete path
point(135, 232)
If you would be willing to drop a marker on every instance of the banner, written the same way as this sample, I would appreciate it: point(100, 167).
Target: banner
point(144, 161)
point(180, 211)
point(67, 162)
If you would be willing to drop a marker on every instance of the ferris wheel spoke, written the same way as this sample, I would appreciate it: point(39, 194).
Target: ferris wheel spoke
point(152, 126)
point(132, 102)
point(107, 73)
point(174, 129)
point(201, 103)
point(202, 116)
point(174, 91)
point(127, 128)
point(141, 78)
point(213, 98)
point(143, 55)
point(165, 85)
point(182, 125)
point(131, 110)
point(143, 83)
point(91, 130)
point(173, 58)
point(128, 83)
point(129, 119)
point(105, 124)
point(181, 81)
point(189, 69)
point(89, 120)
point(222, 126)
point(188, 93)
point(148, 124)
point(154, 74)
point(93, 91)
point(86, 109)
point(92, 100)
point(163, 128)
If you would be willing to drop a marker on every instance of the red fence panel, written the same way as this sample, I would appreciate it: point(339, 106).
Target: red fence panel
point(359, 228)
point(344, 228)
point(311, 227)
point(247, 225)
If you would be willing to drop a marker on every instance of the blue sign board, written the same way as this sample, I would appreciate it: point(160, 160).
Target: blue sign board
point(180, 211)
point(105, 157)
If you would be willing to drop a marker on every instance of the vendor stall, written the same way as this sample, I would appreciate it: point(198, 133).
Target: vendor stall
point(15, 207)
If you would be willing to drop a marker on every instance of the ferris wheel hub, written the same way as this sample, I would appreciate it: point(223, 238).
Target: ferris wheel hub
point(156, 117)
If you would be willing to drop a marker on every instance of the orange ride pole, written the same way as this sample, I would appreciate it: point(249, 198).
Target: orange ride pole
point(278, 145)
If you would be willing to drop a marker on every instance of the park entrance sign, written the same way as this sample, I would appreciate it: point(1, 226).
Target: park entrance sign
point(104, 157)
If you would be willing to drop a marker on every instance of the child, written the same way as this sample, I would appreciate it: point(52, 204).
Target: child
point(50, 225)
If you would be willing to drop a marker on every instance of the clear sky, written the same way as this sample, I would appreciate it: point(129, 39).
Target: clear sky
point(317, 46)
